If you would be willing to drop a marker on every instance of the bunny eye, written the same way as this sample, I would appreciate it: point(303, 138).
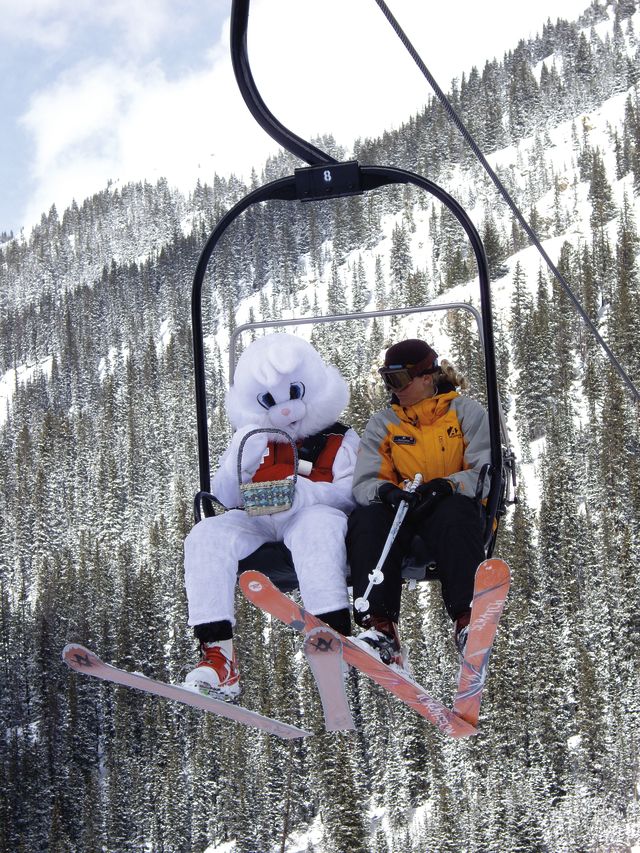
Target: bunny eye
point(266, 400)
point(296, 391)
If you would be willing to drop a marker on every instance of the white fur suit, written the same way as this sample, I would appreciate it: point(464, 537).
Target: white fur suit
point(280, 382)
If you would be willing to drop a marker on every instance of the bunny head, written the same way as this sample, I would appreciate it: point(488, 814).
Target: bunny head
point(281, 381)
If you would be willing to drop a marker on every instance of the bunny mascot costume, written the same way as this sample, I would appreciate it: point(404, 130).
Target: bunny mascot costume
point(282, 383)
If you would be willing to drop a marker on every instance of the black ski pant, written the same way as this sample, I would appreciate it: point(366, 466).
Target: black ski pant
point(453, 534)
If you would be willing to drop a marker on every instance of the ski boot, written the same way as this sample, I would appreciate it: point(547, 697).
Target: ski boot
point(381, 639)
point(217, 673)
point(461, 631)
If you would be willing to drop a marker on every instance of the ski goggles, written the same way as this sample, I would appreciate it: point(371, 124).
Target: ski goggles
point(398, 376)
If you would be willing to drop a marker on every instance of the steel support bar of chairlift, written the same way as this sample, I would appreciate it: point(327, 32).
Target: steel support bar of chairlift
point(321, 319)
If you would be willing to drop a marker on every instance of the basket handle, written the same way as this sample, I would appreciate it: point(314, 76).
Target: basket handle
point(270, 430)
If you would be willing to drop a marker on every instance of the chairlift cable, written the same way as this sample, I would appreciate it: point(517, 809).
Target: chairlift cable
point(505, 194)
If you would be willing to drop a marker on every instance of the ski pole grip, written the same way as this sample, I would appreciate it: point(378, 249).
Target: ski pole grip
point(377, 575)
point(413, 485)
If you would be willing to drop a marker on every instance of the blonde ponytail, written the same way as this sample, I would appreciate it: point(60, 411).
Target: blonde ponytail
point(450, 374)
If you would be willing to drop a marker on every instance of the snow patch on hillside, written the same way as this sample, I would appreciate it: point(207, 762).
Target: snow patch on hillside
point(111, 360)
point(17, 376)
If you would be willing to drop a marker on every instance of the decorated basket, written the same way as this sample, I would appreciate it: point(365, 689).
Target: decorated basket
point(270, 496)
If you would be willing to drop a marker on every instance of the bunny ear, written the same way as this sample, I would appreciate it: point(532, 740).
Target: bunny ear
point(289, 354)
point(283, 357)
point(265, 372)
point(265, 364)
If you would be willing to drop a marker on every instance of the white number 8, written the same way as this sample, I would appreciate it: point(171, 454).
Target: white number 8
point(327, 176)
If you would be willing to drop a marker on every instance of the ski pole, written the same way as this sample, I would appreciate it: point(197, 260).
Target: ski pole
point(376, 577)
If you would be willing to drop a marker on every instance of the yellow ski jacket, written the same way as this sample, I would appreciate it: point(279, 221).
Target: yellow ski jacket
point(443, 436)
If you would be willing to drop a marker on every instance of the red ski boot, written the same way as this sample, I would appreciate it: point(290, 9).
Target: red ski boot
point(217, 673)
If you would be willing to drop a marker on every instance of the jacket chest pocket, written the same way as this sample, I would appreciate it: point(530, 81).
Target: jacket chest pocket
point(450, 442)
point(404, 460)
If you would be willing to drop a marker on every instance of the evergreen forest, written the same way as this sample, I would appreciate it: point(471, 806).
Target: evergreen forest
point(98, 462)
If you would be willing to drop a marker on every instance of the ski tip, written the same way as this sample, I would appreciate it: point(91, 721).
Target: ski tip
point(252, 581)
point(471, 731)
point(290, 733)
point(79, 658)
point(494, 569)
point(494, 564)
point(72, 649)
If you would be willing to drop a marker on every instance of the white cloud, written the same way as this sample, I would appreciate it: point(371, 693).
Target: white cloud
point(127, 124)
point(78, 109)
point(138, 25)
point(42, 22)
point(331, 68)
point(142, 25)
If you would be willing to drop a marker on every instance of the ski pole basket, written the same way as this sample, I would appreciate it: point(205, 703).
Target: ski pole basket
point(270, 496)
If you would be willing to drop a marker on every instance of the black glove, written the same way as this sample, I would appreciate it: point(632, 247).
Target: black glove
point(393, 496)
point(428, 495)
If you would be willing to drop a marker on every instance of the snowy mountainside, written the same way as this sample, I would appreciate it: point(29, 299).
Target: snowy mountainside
point(98, 460)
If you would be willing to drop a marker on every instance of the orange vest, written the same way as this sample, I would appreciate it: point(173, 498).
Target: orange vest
point(278, 464)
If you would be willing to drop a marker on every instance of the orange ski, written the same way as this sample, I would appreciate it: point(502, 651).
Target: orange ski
point(489, 594)
point(259, 590)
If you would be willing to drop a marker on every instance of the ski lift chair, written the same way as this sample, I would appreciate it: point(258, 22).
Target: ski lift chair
point(326, 178)
point(274, 558)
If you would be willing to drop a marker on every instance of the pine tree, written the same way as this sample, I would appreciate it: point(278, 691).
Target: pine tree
point(626, 303)
point(600, 195)
point(380, 287)
point(340, 807)
point(400, 264)
point(494, 247)
point(520, 309)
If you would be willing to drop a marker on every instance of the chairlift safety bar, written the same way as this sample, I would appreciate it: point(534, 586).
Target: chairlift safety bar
point(362, 315)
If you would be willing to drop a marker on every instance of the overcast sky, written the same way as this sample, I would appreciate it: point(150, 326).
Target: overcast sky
point(121, 90)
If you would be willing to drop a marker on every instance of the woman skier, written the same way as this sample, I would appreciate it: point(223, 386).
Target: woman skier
point(432, 430)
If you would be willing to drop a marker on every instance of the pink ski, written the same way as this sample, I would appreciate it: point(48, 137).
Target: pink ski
point(259, 590)
point(489, 594)
point(86, 662)
point(323, 649)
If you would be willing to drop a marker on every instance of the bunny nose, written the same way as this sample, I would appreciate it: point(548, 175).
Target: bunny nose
point(285, 412)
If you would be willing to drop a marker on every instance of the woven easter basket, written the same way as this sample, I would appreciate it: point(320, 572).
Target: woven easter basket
point(270, 496)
